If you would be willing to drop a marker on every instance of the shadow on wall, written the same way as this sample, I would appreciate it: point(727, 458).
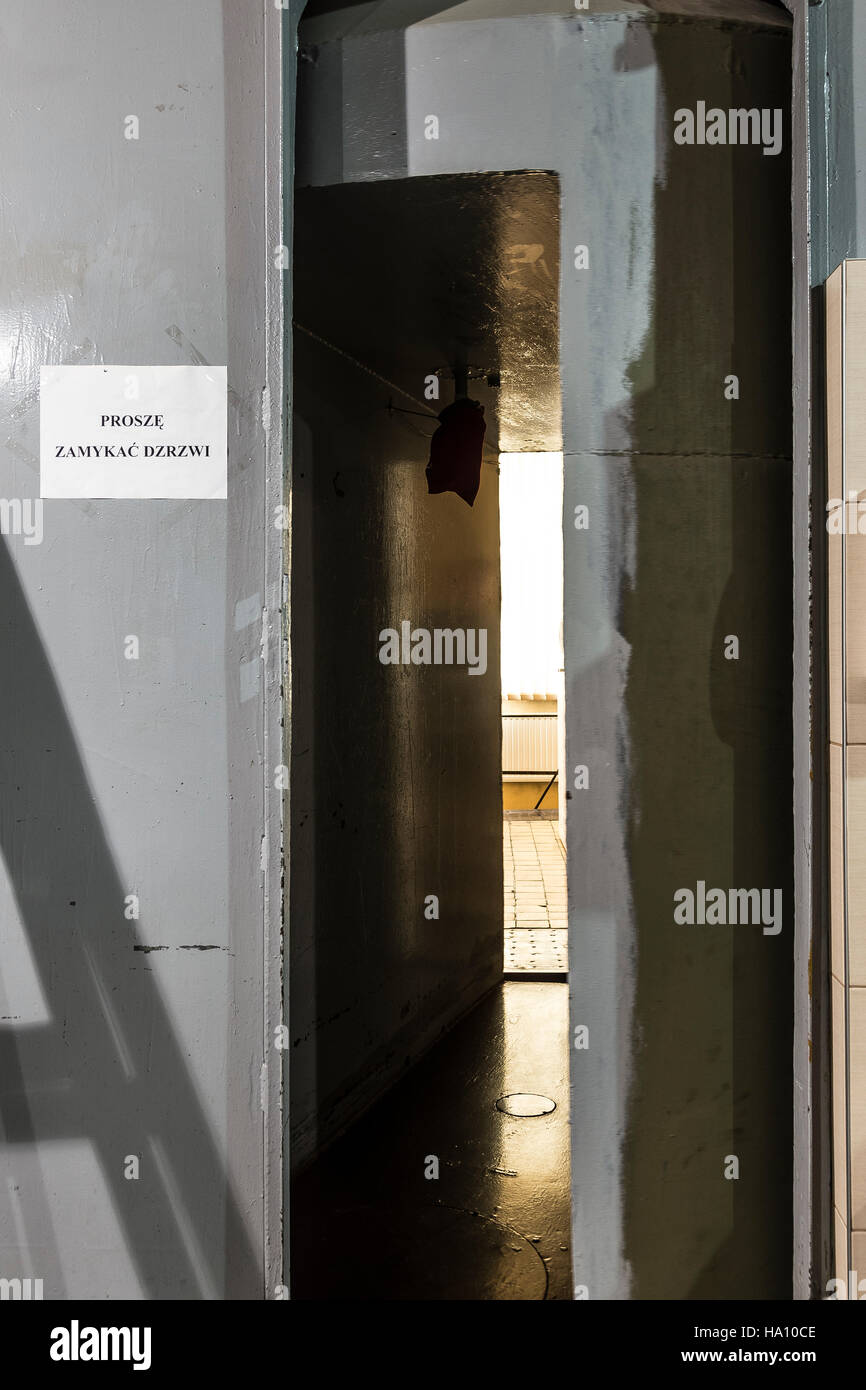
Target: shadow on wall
point(711, 735)
point(108, 1068)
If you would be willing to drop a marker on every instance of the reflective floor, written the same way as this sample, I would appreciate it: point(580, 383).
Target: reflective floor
point(367, 1223)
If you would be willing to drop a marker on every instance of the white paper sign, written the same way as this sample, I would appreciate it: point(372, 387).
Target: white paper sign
point(133, 432)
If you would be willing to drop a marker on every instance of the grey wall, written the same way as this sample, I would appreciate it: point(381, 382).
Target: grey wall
point(153, 776)
point(837, 134)
point(689, 755)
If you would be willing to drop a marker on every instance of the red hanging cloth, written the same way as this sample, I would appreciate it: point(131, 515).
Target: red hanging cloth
point(455, 450)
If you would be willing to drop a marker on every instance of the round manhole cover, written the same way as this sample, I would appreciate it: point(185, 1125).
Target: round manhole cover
point(524, 1104)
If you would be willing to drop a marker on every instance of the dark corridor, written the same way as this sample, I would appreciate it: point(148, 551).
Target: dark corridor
point(447, 286)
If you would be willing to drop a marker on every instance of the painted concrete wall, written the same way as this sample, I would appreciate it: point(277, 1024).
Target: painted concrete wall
point(688, 754)
point(837, 128)
point(711, 776)
point(137, 1038)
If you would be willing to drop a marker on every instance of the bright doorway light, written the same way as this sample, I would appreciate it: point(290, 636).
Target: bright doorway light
point(530, 543)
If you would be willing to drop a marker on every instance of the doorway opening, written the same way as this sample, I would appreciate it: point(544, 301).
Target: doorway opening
point(429, 1092)
point(533, 735)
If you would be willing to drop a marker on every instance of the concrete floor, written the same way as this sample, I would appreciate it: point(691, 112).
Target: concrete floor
point(368, 1225)
point(534, 883)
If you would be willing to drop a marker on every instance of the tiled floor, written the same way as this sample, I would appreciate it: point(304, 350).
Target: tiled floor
point(535, 907)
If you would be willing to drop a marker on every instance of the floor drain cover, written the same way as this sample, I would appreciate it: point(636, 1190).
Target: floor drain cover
point(524, 1105)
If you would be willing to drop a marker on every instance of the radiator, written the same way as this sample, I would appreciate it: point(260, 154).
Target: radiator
point(529, 744)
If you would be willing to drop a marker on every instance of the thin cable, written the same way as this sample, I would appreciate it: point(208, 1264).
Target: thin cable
point(428, 413)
